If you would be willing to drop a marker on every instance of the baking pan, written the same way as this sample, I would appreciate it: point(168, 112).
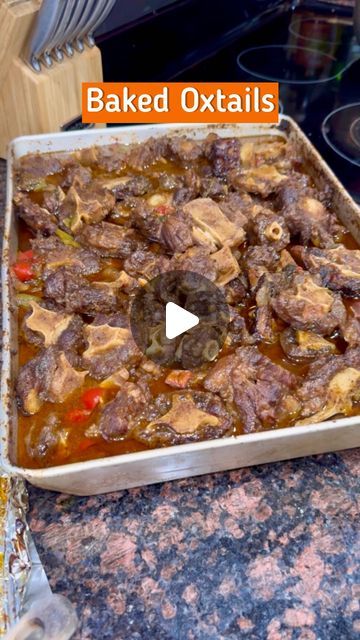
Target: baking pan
point(157, 465)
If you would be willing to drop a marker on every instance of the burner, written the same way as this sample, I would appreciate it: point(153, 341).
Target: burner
point(341, 130)
point(288, 64)
point(355, 132)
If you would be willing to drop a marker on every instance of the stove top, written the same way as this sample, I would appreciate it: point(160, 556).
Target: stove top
point(316, 59)
point(311, 50)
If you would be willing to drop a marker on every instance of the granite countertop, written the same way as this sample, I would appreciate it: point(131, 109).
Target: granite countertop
point(265, 553)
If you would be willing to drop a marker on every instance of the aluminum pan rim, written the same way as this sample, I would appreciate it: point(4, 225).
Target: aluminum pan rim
point(160, 453)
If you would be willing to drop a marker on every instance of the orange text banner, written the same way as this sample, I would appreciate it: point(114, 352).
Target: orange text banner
point(154, 102)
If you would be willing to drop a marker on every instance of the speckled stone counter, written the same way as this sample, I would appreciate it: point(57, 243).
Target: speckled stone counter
point(267, 553)
point(270, 552)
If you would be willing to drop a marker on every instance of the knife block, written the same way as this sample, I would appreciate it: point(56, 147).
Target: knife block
point(15, 23)
point(44, 102)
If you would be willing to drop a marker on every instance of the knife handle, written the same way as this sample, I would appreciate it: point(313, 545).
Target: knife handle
point(52, 618)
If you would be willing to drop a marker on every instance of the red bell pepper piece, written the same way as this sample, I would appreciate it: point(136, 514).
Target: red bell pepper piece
point(92, 397)
point(77, 415)
point(164, 209)
point(26, 256)
point(23, 271)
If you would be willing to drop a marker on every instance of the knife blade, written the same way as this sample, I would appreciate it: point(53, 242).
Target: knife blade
point(89, 8)
point(44, 27)
point(62, 18)
point(101, 4)
point(100, 19)
point(64, 43)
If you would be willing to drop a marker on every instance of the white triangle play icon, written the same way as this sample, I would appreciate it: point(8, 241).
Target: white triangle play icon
point(178, 320)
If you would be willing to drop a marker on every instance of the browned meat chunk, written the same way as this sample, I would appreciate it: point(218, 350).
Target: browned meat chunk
point(75, 295)
point(53, 254)
point(268, 152)
point(77, 176)
point(121, 414)
point(197, 260)
point(224, 155)
point(86, 204)
point(213, 188)
point(261, 265)
point(238, 208)
point(332, 387)
point(309, 219)
point(109, 347)
point(235, 291)
point(122, 282)
point(339, 268)
point(201, 344)
point(47, 325)
point(110, 158)
point(52, 199)
point(351, 326)
point(264, 392)
point(44, 327)
point(36, 217)
point(50, 438)
point(210, 226)
point(149, 220)
point(226, 265)
point(49, 376)
point(169, 181)
point(259, 261)
point(142, 156)
point(238, 334)
point(33, 168)
point(297, 185)
point(176, 232)
point(146, 264)
point(128, 186)
point(263, 180)
point(305, 213)
point(71, 341)
point(191, 188)
point(110, 240)
point(304, 346)
point(186, 416)
point(271, 230)
point(265, 325)
point(183, 150)
point(302, 302)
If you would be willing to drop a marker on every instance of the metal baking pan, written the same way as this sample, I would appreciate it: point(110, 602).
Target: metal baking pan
point(158, 465)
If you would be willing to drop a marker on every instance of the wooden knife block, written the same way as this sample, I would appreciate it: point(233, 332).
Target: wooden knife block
point(31, 102)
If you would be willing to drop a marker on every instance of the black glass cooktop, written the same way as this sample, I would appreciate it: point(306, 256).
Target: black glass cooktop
point(316, 59)
point(312, 52)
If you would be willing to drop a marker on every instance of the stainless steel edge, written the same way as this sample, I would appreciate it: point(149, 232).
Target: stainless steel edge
point(158, 465)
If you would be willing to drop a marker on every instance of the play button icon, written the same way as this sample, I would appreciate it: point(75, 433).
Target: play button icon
point(178, 320)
